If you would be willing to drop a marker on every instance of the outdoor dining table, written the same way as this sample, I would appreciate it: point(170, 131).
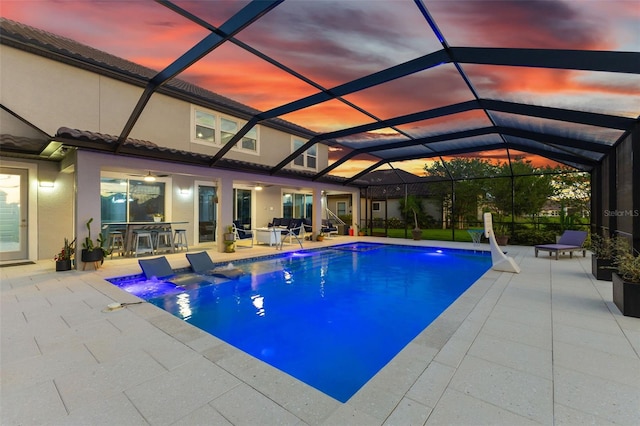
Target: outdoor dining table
point(128, 229)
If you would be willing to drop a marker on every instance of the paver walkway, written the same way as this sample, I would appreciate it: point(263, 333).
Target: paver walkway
point(546, 346)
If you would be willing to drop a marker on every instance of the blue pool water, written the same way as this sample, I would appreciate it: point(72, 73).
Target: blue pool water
point(331, 318)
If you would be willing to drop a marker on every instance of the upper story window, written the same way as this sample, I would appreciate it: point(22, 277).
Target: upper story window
point(205, 126)
point(209, 127)
point(228, 128)
point(250, 140)
point(307, 159)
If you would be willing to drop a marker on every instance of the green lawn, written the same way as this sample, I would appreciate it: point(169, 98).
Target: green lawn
point(428, 234)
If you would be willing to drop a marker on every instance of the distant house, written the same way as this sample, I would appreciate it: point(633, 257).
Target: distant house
point(387, 189)
point(551, 209)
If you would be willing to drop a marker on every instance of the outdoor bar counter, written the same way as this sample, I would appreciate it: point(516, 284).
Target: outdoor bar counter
point(128, 228)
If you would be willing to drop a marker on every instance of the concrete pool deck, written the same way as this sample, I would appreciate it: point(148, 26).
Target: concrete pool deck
point(546, 346)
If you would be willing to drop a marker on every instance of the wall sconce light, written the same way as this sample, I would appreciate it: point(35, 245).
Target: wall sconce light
point(184, 191)
point(46, 184)
point(258, 188)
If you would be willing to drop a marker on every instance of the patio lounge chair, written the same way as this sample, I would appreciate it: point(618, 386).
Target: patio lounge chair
point(570, 241)
point(159, 269)
point(201, 263)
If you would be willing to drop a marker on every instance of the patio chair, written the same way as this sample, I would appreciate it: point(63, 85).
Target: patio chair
point(242, 234)
point(570, 241)
point(329, 228)
point(308, 227)
point(294, 230)
point(201, 263)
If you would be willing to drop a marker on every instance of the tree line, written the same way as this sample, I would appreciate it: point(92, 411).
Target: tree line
point(467, 186)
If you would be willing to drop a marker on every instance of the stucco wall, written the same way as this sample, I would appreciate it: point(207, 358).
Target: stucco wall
point(51, 95)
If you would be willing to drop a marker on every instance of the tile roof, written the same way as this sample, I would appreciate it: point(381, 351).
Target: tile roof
point(66, 50)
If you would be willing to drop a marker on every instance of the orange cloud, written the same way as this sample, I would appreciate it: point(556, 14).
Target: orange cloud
point(500, 79)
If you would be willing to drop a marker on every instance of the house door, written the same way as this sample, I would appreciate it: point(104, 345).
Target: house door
point(207, 211)
point(14, 185)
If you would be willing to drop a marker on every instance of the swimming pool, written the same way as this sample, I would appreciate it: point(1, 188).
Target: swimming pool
point(331, 318)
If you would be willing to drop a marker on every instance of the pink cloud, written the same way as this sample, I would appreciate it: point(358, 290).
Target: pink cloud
point(524, 24)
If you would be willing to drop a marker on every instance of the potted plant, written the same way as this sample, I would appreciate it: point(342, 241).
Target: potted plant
point(229, 239)
point(157, 217)
point(416, 232)
point(361, 232)
point(626, 279)
point(64, 257)
point(93, 252)
point(320, 237)
point(603, 250)
point(502, 237)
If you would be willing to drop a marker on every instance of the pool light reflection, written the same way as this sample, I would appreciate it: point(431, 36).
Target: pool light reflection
point(184, 306)
point(258, 302)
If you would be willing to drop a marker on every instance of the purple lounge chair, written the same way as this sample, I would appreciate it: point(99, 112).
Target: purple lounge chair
point(570, 241)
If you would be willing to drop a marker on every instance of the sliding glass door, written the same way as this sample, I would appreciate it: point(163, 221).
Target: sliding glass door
point(297, 205)
point(242, 208)
point(207, 213)
point(130, 200)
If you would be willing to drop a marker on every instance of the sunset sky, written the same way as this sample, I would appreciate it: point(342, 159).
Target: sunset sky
point(333, 42)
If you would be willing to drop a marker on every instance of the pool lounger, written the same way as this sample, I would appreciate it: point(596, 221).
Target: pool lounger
point(201, 263)
point(570, 241)
point(160, 269)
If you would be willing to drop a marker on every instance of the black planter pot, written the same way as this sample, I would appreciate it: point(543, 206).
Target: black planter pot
point(63, 265)
point(94, 255)
point(626, 296)
point(601, 268)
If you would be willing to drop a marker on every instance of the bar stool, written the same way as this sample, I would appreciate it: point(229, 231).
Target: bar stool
point(140, 237)
point(180, 239)
point(164, 241)
point(115, 242)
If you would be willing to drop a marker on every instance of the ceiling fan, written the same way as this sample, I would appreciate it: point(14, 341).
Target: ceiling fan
point(259, 186)
point(151, 177)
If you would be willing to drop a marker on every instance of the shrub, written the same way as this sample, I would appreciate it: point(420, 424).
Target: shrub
point(532, 237)
point(395, 223)
point(627, 264)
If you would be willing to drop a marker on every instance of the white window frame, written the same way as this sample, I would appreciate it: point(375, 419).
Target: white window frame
point(230, 120)
point(218, 119)
point(194, 137)
point(238, 146)
point(309, 154)
point(341, 206)
point(255, 140)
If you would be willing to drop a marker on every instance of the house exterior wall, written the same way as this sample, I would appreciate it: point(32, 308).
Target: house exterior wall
point(62, 211)
point(53, 95)
point(57, 210)
point(269, 205)
point(429, 206)
point(50, 95)
point(50, 210)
